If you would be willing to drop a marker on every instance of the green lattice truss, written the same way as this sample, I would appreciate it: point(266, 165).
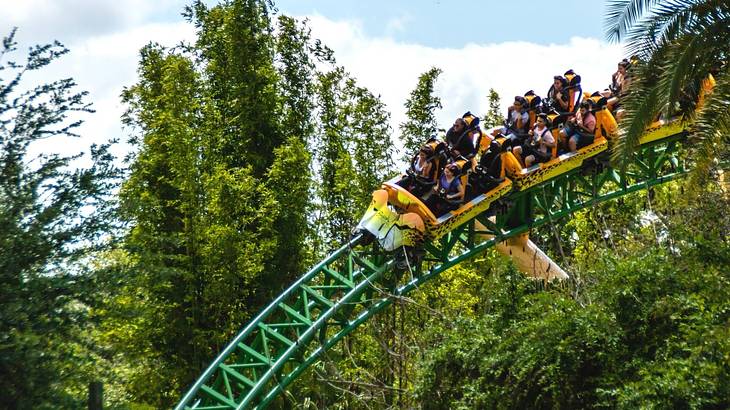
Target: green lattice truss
point(345, 290)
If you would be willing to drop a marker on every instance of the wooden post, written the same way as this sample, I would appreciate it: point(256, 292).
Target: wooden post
point(96, 396)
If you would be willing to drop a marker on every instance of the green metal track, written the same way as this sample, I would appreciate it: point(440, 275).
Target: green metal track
point(357, 281)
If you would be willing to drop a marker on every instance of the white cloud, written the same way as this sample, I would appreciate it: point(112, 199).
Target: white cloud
point(104, 38)
point(104, 65)
point(42, 21)
point(397, 24)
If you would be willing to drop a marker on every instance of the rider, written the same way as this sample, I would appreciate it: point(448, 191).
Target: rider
point(517, 121)
point(458, 137)
point(557, 97)
point(539, 146)
point(473, 128)
point(581, 128)
point(491, 162)
point(619, 83)
point(422, 172)
point(423, 164)
point(619, 78)
point(449, 193)
point(488, 173)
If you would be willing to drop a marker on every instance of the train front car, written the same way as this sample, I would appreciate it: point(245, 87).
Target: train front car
point(392, 229)
point(399, 219)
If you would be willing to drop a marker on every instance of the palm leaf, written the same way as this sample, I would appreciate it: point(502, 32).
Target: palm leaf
point(640, 106)
point(679, 41)
point(663, 25)
point(621, 15)
point(711, 130)
point(679, 71)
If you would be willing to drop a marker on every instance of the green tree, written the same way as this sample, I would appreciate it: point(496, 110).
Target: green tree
point(354, 152)
point(333, 162)
point(217, 197)
point(639, 326)
point(290, 176)
point(235, 41)
point(162, 201)
point(420, 106)
point(202, 232)
point(493, 117)
point(52, 216)
point(297, 72)
point(371, 143)
point(676, 44)
point(291, 182)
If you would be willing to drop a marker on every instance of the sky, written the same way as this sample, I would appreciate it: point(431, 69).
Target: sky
point(509, 46)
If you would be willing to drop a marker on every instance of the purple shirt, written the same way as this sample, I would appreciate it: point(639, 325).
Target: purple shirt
point(450, 188)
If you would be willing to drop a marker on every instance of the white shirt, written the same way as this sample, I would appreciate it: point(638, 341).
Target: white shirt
point(546, 137)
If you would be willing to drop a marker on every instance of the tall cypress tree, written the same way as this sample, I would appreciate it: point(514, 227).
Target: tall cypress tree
point(290, 176)
point(333, 160)
point(297, 71)
point(354, 152)
point(237, 47)
point(371, 143)
point(217, 197)
point(420, 113)
point(161, 200)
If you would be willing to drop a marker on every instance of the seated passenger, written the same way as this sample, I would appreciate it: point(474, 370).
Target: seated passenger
point(516, 123)
point(616, 88)
point(458, 137)
point(538, 148)
point(618, 78)
point(423, 165)
point(421, 174)
point(558, 98)
point(473, 128)
point(488, 173)
point(448, 194)
point(475, 134)
point(424, 168)
point(574, 90)
point(491, 162)
point(580, 129)
point(619, 83)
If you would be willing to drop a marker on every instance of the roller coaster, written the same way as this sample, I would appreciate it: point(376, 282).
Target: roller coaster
point(400, 244)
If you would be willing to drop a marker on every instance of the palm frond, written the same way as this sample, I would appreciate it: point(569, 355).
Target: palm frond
point(621, 15)
point(679, 71)
point(711, 130)
point(640, 107)
point(674, 17)
point(642, 44)
point(664, 24)
point(692, 56)
point(678, 42)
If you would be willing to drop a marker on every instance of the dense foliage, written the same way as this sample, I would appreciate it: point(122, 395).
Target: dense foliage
point(644, 325)
point(53, 214)
point(254, 155)
point(218, 198)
